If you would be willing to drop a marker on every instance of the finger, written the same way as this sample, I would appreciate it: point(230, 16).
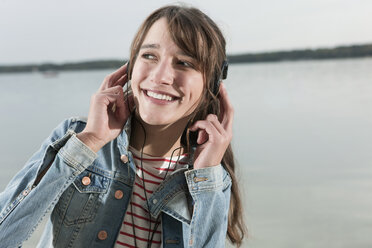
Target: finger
point(113, 90)
point(119, 105)
point(202, 137)
point(127, 101)
point(216, 123)
point(117, 92)
point(123, 105)
point(207, 127)
point(107, 99)
point(111, 79)
point(119, 73)
point(227, 110)
point(121, 81)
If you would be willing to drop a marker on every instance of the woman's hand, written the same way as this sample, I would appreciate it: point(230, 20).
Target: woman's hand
point(215, 134)
point(108, 111)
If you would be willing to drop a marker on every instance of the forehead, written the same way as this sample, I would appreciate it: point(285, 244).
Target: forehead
point(158, 33)
point(159, 37)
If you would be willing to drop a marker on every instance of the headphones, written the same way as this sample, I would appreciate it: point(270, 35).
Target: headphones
point(127, 71)
point(222, 76)
point(217, 80)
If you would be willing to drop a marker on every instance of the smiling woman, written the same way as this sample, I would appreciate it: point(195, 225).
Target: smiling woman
point(151, 168)
point(165, 85)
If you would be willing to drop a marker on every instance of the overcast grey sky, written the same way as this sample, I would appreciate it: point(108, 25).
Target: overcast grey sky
point(74, 30)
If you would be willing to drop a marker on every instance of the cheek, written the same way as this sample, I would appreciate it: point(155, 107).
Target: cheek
point(138, 71)
point(134, 82)
point(134, 76)
point(134, 85)
point(134, 89)
point(197, 89)
point(196, 93)
point(137, 76)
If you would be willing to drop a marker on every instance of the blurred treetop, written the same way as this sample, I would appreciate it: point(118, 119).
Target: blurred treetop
point(354, 51)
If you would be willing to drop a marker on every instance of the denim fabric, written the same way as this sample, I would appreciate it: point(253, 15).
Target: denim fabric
point(193, 204)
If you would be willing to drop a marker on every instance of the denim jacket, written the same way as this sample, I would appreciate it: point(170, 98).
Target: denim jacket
point(193, 204)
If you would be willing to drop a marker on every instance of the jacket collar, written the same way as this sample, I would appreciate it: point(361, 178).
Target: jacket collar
point(172, 197)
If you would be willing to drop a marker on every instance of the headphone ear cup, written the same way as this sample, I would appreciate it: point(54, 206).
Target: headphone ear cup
point(224, 70)
point(216, 86)
point(127, 71)
point(219, 78)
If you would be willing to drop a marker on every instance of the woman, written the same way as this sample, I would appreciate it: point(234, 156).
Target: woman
point(133, 175)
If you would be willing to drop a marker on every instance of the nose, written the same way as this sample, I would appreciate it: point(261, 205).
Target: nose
point(163, 73)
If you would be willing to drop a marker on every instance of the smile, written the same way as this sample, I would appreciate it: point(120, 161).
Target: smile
point(159, 96)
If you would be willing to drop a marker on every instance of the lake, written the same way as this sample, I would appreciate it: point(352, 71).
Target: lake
point(302, 140)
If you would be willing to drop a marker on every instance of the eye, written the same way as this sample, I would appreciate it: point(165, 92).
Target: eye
point(185, 63)
point(148, 56)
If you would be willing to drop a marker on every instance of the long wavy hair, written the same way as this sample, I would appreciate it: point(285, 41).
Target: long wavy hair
point(199, 37)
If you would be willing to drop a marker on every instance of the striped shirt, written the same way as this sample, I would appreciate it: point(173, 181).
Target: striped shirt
point(138, 226)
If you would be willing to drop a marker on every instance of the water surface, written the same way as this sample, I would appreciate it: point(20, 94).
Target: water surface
point(302, 139)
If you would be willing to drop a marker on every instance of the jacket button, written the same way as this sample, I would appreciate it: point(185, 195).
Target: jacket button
point(102, 235)
point(119, 194)
point(86, 181)
point(124, 158)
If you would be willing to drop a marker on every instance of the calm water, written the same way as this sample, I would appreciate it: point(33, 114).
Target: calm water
point(303, 140)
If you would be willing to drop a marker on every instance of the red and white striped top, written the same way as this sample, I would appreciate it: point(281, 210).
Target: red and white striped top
point(137, 217)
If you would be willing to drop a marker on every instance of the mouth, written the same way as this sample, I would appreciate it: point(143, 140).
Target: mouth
point(160, 96)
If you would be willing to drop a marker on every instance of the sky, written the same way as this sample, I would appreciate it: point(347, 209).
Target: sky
point(41, 31)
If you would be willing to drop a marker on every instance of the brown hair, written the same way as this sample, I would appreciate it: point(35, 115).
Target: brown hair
point(200, 38)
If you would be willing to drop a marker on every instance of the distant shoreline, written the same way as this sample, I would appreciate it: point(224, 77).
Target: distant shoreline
point(340, 52)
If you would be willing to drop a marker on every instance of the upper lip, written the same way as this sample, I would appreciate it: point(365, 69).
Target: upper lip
point(162, 93)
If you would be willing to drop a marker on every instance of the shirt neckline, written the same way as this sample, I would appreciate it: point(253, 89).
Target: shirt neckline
point(137, 153)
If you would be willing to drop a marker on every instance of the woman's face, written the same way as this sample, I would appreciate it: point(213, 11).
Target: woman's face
point(165, 82)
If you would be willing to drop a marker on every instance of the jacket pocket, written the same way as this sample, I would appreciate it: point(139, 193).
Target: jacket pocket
point(80, 202)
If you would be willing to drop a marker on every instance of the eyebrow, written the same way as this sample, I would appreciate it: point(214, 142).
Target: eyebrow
point(150, 46)
point(157, 46)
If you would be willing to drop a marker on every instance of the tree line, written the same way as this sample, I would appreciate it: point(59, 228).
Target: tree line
point(354, 51)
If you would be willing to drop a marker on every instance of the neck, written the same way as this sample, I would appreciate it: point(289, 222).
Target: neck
point(161, 140)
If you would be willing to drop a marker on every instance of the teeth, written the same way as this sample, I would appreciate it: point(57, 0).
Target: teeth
point(159, 96)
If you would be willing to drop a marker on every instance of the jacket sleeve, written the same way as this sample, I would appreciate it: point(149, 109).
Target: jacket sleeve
point(210, 189)
point(23, 203)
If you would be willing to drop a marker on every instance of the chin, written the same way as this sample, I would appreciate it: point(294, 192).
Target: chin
point(156, 119)
point(153, 119)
